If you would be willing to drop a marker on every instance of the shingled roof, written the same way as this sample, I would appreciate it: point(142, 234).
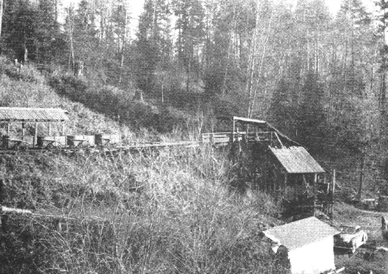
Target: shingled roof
point(300, 233)
point(297, 160)
point(10, 114)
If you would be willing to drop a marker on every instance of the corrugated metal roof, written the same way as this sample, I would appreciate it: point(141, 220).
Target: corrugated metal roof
point(297, 160)
point(300, 233)
point(32, 114)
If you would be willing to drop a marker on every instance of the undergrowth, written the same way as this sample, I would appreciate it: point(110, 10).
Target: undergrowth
point(158, 211)
point(167, 211)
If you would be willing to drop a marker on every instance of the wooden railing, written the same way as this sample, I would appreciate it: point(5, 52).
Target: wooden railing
point(226, 137)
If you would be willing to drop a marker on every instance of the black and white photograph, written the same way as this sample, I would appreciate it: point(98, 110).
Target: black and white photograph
point(193, 136)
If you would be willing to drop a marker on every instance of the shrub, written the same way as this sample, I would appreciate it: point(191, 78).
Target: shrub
point(169, 211)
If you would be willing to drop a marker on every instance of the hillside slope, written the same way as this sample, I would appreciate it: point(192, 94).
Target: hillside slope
point(167, 211)
point(29, 88)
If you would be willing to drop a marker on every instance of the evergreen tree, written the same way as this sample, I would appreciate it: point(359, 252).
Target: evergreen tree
point(383, 6)
point(31, 31)
point(311, 116)
point(280, 111)
point(153, 45)
point(191, 34)
point(20, 27)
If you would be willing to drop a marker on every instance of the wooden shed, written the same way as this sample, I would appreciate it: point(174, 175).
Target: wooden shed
point(278, 165)
point(299, 172)
point(34, 116)
point(309, 243)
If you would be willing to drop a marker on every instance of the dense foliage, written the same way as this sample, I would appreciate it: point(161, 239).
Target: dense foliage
point(318, 77)
point(310, 72)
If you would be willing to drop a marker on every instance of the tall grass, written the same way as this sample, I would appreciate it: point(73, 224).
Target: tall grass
point(167, 211)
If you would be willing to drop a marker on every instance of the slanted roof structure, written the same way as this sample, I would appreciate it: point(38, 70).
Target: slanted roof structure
point(16, 114)
point(300, 233)
point(296, 160)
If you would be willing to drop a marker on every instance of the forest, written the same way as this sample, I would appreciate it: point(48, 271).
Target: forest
point(318, 77)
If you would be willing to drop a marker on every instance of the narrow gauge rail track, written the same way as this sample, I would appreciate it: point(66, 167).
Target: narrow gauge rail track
point(101, 143)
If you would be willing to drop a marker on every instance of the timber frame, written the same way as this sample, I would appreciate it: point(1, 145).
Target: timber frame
point(269, 160)
point(24, 116)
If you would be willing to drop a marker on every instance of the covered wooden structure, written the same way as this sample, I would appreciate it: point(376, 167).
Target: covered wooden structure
point(298, 179)
point(35, 116)
point(278, 165)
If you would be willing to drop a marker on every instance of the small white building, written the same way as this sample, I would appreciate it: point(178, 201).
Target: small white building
point(309, 243)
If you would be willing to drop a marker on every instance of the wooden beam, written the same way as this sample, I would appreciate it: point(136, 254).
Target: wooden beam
point(36, 134)
point(233, 129)
point(5, 209)
point(315, 190)
point(333, 182)
point(361, 176)
point(1, 190)
point(277, 137)
point(3, 218)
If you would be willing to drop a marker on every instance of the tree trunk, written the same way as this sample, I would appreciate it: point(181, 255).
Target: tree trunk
point(25, 52)
point(55, 10)
point(361, 176)
point(71, 38)
point(264, 42)
point(1, 16)
point(188, 77)
point(124, 44)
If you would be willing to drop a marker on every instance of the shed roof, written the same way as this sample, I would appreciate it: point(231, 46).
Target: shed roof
point(8, 114)
point(297, 160)
point(300, 233)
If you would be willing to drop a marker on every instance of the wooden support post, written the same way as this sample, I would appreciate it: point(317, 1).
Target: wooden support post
point(23, 129)
point(8, 128)
point(333, 183)
point(361, 175)
point(233, 129)
point(1, 190)
point(280, 141)
point(265, 173)
point(285, 184)
point(315, 192)
point(49, 129)
point(5, 141)
point(325, 182)
point(36, 135)
point(3, 218)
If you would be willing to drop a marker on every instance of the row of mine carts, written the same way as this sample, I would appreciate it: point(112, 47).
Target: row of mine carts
point(52, 142)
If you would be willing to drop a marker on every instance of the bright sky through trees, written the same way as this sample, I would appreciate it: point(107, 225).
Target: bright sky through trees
point(137, 5)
